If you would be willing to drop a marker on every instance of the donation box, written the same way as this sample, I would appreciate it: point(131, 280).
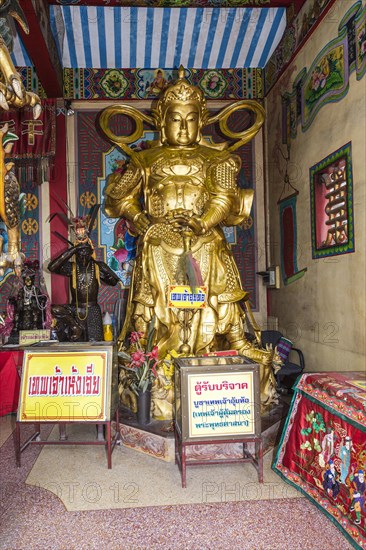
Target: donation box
point(217, 398)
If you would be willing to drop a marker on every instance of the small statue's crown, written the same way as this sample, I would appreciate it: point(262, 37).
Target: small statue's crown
point(30, 268)
point(80, 222)
point(181, 90)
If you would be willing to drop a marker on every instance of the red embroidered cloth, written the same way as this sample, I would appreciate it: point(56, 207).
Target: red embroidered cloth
point(343, 392)
point(36, 147)
point(37, 138)
point(9, 380)
point(323, 448)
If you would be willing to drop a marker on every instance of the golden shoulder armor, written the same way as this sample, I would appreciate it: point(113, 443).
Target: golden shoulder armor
point(244, 206)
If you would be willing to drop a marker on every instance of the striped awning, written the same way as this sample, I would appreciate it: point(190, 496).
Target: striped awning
point(131, 37)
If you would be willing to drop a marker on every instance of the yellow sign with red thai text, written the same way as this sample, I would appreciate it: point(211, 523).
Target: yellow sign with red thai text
point(65, 386)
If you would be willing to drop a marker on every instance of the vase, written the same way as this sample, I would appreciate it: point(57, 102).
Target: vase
point(143, 407)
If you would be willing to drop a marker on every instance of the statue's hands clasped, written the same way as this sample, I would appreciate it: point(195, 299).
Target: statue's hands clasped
point(183, 219)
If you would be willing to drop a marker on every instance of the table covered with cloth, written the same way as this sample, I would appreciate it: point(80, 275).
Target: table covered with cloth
point(322, 451)
point(10, 362)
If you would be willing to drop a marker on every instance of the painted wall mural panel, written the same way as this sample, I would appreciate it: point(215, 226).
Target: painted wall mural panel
point(245, 83)
point(327, 79)
point(116, 236)
point(148, 83)
point(331, 204)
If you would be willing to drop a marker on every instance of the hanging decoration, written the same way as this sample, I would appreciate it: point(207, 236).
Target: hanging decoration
point(34, 152)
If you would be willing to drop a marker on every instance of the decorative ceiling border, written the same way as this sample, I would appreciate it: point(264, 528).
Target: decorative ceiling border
point(148, 83)
point(295, 35)
point(174, 3)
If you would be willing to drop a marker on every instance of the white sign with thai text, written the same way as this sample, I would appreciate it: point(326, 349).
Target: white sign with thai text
point(221, 404)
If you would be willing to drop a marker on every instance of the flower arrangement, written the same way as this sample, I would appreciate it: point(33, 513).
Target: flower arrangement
point(141, 363)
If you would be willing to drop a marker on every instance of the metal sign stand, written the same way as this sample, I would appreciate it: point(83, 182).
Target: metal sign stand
point(183, 462)
point(34, 439)
point(217, 401)
point(64, 376)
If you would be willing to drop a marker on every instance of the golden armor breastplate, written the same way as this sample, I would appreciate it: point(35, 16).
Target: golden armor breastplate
point(176, 182)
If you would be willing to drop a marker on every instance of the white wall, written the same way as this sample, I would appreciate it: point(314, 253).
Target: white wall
point(324, 312)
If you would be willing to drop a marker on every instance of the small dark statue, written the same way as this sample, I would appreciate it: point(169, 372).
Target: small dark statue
point(81, 320)
point(29, 303)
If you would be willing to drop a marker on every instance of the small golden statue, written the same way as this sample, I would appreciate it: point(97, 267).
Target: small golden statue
point(12, 95)
point(12, 92)
point(10, 204)
point(178, 194)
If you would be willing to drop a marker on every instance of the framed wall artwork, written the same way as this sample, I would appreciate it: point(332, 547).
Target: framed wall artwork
point(332, 205)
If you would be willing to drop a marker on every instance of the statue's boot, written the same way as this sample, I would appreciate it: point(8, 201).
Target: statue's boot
point(238, 341)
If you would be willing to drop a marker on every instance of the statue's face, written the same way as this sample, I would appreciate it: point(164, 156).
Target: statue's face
point(181, 123)
point(28, 280)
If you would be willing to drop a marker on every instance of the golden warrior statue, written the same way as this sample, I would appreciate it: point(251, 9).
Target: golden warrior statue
point(12, 95)
point(178, 194)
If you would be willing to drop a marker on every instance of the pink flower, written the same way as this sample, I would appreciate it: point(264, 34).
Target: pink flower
point(137, 358)
point(135, 337)
point(121, 255)
point(153, 354)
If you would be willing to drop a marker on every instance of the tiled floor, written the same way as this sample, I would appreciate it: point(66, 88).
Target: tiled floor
point(34, 518)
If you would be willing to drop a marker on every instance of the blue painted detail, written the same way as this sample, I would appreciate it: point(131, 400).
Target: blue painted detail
point(86, 36)
point(210, 37)
point(241, 37)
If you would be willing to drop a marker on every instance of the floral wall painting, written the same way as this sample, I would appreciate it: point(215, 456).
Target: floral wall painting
point(331, 204)
point(327, 79)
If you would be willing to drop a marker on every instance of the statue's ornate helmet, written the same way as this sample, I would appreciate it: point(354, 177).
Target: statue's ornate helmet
point(81, 228)
point(181, 91)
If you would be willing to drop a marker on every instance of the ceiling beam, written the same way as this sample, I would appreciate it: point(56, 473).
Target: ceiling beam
point(41, 46)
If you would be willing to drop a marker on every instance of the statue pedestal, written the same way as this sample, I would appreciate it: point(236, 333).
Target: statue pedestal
point(157, 438)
